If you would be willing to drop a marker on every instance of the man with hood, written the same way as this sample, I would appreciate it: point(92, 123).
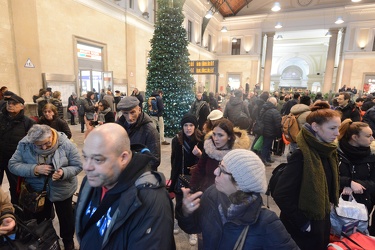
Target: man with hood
point(139, 127)
point(122, 203)
point(13, 127)
point(237, 109)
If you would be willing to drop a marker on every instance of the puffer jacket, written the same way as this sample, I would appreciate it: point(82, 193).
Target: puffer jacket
point(66, 157)
point(203, 174)
point(265, 229)
point(349, 111)
point(143, 132)
point(271, 120)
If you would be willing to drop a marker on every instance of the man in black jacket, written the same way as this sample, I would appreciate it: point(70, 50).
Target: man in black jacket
point(285, 110)
point(272, 128)
point(122, 204)
point(347, 108)
point(13, 127)
point(157, 118)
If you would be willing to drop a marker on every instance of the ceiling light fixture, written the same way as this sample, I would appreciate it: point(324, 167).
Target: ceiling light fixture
point(234, 40)
point(278, 25)
point(356, 1)
point(328, 34)
point(224, 29)
point(276, 7)
point(209, 14)
point(339, 20)
point(279, 37)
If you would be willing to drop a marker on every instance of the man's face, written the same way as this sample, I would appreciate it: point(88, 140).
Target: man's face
point(131, 116)
point(199, 96)
point(341, 101)
point(14, 107)
point(102, 164)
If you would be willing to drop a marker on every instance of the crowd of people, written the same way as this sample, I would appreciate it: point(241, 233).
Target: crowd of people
point(217, 171)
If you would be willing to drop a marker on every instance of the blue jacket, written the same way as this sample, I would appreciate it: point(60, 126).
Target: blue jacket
point(265, 229)
point(66, 157)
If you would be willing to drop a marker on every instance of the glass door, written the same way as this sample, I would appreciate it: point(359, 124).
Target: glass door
point(97, 80)
point(85, 80)
point(91, 79)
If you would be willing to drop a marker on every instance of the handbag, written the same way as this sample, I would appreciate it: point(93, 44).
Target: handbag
point(183, 179)
point(30, 235)
point(355, 241)
point(31, 200)
point(73, 109)
point(348, 212)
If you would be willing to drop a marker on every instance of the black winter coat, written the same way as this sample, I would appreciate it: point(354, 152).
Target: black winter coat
point(12, 130)
point(349, 111)
point(363, 172)
point(160, 104)
point(285, 110)
point(271, 120)
point(58, 124)
point(369, 118)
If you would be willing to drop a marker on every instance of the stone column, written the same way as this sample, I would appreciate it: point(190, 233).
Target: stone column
point(328, 76)
point(268, 62)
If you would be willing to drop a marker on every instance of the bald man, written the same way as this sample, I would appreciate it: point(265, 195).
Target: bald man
point(272, 128)
point(122, 204)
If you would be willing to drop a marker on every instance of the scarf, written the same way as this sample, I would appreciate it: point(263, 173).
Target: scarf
point(45, 156)
point(239, 214)
point(352, 153)
point(102, 114)
point(314, 196)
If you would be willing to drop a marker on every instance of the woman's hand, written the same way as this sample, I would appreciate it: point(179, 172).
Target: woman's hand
point(7, 225)
point(190, 202)
point(347, 191)
point(196, 151)
point(357, 188)
point(57, 174)
point(43, 169)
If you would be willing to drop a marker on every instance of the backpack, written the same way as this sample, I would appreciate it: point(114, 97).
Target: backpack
point(152, 106)
point(276, 173)
point(81, 108)
point(290, 127)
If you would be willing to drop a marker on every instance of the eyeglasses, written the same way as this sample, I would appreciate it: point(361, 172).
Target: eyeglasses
point(221, 170)
point(46, 144)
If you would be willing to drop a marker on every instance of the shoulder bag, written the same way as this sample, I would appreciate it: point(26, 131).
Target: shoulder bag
point(31, 200)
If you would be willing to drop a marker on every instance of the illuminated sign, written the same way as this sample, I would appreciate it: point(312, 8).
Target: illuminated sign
point(204, 67)
point(89, 52)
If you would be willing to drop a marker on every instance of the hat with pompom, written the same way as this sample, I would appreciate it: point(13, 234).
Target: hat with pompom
point(247, 170)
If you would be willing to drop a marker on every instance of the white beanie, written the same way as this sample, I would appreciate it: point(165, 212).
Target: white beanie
point(247, 170)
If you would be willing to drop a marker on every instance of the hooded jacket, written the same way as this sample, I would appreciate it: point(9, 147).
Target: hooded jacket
point(142, 216)
point(203, 175)
point(143, 132)
point(271, 120)
point(233, 109)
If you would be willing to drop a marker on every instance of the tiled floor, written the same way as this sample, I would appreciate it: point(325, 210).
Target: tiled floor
point(181, 238)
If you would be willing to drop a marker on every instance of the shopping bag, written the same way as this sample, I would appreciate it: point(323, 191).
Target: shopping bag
point(355, 241)
point(258, 144)
point(348, 212)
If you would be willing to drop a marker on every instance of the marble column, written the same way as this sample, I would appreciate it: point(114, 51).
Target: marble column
point(330, 64)
point(268, 62)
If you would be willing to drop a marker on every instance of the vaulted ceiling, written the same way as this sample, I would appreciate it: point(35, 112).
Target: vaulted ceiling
point(228, 8)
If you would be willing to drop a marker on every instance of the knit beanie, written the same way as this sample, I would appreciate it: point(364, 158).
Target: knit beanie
point(247, 170)
point(189, 118)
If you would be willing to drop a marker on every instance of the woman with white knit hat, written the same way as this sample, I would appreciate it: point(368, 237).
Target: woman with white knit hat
point(229, 213)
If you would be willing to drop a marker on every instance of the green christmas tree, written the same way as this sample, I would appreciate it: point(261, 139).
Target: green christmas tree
point(168, 68)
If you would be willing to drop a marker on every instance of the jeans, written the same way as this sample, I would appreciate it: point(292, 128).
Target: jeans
point(266, 149)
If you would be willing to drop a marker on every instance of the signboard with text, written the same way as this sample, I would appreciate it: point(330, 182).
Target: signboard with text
point(204, 67)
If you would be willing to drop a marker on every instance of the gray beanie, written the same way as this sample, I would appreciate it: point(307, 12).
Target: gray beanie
point(128, 103)
point(247, 170)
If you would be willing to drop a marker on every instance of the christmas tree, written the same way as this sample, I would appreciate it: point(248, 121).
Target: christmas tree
point(168, 67)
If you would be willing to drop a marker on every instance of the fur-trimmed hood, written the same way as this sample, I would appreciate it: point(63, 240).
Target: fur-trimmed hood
point(242, 142)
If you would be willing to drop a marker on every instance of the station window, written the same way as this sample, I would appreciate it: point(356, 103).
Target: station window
point(190, 31)
point(236, 47)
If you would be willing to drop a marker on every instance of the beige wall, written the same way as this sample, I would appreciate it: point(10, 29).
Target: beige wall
point(361, 66)
point(7, 61)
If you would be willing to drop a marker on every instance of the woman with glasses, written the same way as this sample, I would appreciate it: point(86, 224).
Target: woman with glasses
point(309, 185)
point(229, 213)
point(357, 163)
point(50, 117)
point(223, 138)
point(47, 155)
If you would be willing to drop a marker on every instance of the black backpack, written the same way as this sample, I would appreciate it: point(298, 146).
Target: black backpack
point(276, 173)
